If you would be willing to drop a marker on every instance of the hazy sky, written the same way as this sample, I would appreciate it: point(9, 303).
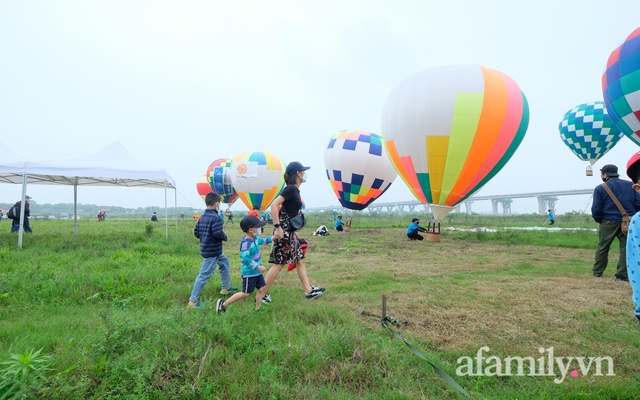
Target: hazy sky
point(182, 83)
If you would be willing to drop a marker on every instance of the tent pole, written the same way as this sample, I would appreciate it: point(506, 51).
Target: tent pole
point(24, 193)
point(175, 204)
point(75, 207)
point(166, 211)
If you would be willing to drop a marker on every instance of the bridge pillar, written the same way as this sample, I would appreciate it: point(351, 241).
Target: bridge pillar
point(546, 203)
point(506, 206)
point(467, 206)
point(504, 202)
point(494, 206)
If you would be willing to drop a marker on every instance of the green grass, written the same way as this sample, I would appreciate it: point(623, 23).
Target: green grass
point(108, 309)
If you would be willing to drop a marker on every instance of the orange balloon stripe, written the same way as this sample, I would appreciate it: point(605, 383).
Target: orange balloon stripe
point(493, 112)
point(507, 132)
point(406, 171)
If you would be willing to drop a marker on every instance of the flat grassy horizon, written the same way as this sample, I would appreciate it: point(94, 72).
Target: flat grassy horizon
point(108, 306)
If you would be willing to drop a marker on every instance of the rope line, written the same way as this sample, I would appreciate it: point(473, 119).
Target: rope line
point(388, 321)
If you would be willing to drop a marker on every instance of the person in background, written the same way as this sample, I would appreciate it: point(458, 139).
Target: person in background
point(321, 231)
point(605, 212)
point(252, 268)
point(633, 238)
point(229, 215)
point(414, 229)
point(209, 230)
point(154, 217)
point(339, 225)
point(286, 244)
point(182, 216)
point(255, 212)
point(15, 224)
point(551, 218)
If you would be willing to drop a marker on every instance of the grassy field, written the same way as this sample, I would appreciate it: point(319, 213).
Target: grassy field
point(106, 309)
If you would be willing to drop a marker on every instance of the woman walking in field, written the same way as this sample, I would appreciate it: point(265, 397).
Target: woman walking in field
point(286, 244)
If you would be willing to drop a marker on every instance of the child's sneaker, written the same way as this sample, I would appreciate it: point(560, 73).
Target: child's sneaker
point(317, 289)
point(220, 308)
point(313, 295)
point(266, 299)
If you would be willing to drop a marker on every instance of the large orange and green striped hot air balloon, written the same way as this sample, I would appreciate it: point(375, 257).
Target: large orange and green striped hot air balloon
point(258, 178)
point(448, 130)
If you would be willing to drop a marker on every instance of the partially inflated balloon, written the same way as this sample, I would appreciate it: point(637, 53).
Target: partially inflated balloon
point(621, 86)
point(202, 186)
point(219, 177)
point(257, 178)
point(449, 130)
point(589, 132)
point(358, 168)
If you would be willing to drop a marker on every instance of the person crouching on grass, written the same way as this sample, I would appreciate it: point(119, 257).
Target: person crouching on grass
point(252, 268)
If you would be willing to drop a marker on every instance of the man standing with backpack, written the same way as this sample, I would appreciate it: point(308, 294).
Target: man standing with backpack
point(15, 225)
point(606, 213)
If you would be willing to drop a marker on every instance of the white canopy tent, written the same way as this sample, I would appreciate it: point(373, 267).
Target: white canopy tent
point(112, 166)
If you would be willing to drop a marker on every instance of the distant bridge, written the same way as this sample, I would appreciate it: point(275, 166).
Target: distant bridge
point(546, 201)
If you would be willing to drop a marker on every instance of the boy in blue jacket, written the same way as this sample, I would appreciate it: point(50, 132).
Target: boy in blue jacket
point(252, 268)
point(209, 230)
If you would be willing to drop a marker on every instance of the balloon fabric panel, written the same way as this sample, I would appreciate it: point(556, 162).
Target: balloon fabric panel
point(498, 128)
point(485, 135)
point(357, 168)
point(407, 172)
point(202, 187)
point(217, 177)
point(621, 86)
point(521, 130)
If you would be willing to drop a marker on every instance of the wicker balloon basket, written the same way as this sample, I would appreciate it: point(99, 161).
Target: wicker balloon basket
point(433, 237)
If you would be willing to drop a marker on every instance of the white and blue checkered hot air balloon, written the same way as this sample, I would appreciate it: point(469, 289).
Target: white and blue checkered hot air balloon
point(589, 132)
point(358, 168)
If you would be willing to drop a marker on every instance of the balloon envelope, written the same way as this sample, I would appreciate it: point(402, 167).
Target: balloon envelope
point(358, 168)
point(589, 131)
point(621, 86)
point(202, 186)
point(449, 130)
point(257, 178)
point(219, 178)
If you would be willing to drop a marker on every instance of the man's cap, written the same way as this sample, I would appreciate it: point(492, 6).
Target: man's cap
point(27, 197)
point(294, 167)
point(415, 220)
point(610, 170)
point(249, 222)
point(633, 167)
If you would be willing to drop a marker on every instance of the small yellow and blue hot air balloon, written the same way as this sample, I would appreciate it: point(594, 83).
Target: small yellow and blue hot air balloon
point(258, 178)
